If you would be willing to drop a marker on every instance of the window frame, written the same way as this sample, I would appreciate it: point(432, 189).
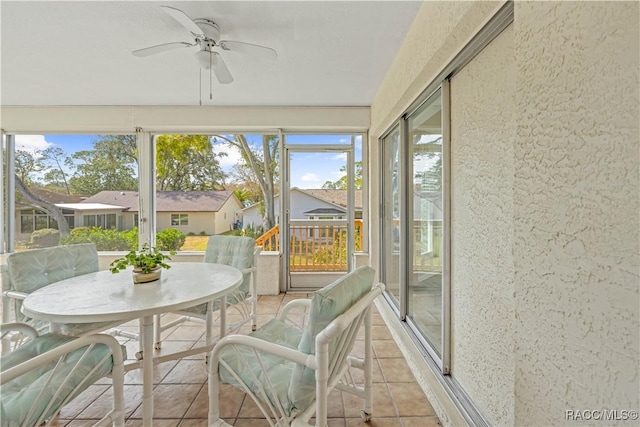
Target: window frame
point(180, 217)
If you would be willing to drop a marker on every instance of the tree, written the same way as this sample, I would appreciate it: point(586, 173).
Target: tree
point(54, 159)
point(261, 160)
point(51, 209)
point(188, 163)
point(111, 165)
point(26, 165)
point(341, 184)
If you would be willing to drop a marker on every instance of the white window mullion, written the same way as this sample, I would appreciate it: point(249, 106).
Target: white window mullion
point(146, 189)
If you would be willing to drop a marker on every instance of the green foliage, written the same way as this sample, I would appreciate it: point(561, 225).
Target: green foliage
point(146, 260)
point(254, 232)
point(27, 165)
point(202, 233)
point(341, 184)
point(170, 239)
point(187, 163)
point(110, 165)
point(105, 240)
point(45, 238)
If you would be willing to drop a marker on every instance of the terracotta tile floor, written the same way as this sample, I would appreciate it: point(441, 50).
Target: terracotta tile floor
point(180, 390)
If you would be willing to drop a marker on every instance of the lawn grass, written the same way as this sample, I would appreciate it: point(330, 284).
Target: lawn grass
point(195, 243)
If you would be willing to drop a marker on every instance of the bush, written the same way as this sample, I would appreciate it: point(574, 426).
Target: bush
point(105, 240)
point(45, 238)
point(254, 232)
point(170, 239)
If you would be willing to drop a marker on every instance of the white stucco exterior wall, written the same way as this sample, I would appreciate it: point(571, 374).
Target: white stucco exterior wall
point(483, 318)
point(576, 209)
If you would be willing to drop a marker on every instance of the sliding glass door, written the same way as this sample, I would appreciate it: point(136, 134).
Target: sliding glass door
point(425, 220)
point(390, 255)
point(413, 225)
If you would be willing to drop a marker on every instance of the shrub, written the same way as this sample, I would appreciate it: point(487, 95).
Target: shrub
point(170, 239)
point(202, 233)
point(105, 240)
point(254, 232)
point(45, 238)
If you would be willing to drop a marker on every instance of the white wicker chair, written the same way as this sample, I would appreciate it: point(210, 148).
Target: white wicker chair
point(43, 373)
point(28, 271)
point(288, 370)
point(241, 253)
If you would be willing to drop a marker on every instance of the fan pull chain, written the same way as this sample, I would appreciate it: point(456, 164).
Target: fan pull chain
point(200, 81)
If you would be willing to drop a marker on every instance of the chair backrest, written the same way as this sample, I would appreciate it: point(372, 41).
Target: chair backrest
point(327, 304)
point(236, 251)
point(33, 269)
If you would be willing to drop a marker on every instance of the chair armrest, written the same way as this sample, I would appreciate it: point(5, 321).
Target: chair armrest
point(247, 270)
point(56, 353)
point(292, 305)
point(22, 328)
point(264, 346)
point(15, 295)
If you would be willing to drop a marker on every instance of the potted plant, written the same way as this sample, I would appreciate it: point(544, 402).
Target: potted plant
point(147, 264)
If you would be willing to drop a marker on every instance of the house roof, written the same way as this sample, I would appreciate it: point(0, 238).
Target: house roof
point(327, 211)
point(166, 201)
point(88, 206)
point(337, 197)
point(49, 196)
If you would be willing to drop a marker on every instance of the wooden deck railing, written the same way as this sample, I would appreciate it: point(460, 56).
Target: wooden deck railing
point(315, 245)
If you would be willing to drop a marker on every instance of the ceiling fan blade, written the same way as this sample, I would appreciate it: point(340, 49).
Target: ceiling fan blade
point(222, 72)
point(184, 19)
point(160, 48)
point(249, 48)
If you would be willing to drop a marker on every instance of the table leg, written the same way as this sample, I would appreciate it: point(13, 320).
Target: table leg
point(223, 316)
point(147, 370)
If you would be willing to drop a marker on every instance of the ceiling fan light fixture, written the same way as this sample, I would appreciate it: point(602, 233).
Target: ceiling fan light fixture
point(206, 59)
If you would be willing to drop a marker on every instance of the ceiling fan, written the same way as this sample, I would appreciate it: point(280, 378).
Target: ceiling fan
point(206, 35)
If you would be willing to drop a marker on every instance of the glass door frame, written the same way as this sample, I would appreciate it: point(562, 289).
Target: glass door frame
point(406, 211)
point(285, 208)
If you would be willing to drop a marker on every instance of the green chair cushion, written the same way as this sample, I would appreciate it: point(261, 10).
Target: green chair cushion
point(236, 251)
point(18, 396)
point(293, 384)
point(31, 270)
point(326, 305)
point(274, 369)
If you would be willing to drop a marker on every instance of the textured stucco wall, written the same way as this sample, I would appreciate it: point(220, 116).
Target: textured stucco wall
point(483, 320)
point(576, 209)
point(439, 30)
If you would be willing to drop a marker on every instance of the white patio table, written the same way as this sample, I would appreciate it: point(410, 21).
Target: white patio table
point(104, 296)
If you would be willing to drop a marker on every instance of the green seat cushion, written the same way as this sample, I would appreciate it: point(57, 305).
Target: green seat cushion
point(31, 270)
point(236, 251)
point(17, 397)
point(293, 384)
point(257, 369)
point(326, 305)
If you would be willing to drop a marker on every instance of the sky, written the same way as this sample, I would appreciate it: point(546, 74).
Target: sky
point(308, 169)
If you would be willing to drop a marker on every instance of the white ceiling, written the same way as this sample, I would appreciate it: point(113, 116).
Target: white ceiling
point(330, 53)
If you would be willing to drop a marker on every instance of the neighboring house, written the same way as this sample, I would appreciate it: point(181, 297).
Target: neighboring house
point(29, 219)
point(307, 204)
point(208, 212)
